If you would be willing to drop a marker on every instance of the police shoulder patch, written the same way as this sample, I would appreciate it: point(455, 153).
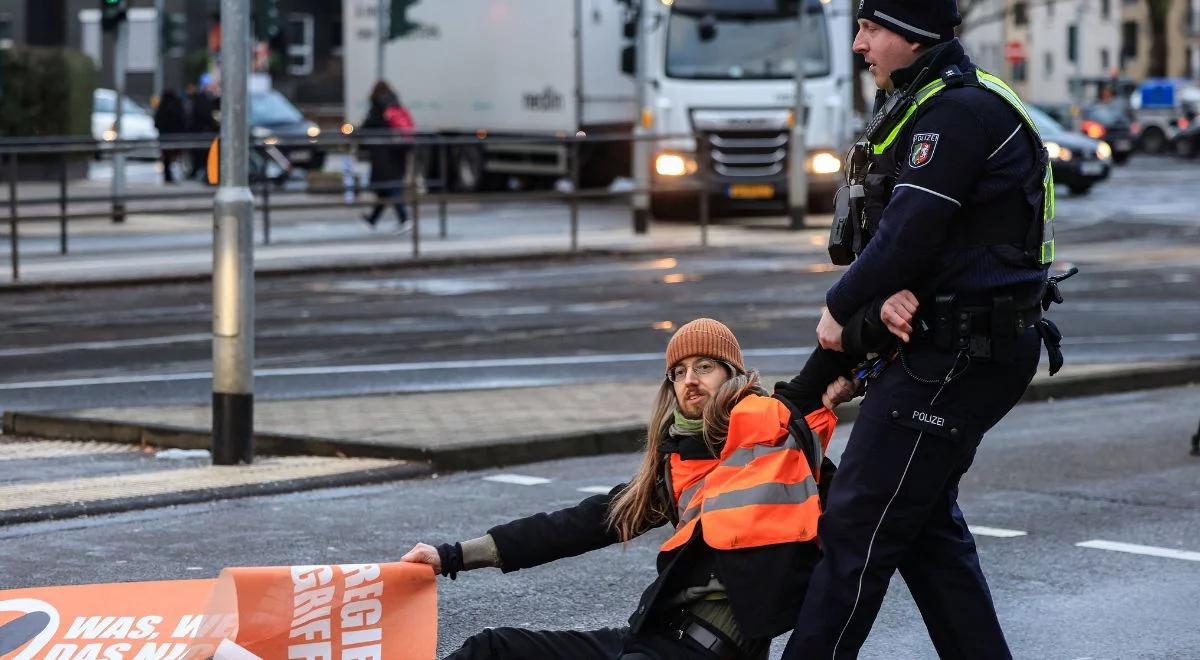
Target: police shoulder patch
point(923, 146)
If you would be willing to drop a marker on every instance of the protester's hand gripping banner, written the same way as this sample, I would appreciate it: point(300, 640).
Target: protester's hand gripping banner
point(341, 612)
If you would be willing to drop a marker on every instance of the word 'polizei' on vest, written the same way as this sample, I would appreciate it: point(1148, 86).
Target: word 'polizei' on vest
point(762, 489)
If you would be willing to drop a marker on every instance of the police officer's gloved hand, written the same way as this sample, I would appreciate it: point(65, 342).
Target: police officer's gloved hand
point(451, 557)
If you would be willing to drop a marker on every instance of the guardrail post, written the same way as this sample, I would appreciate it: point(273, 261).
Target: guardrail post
point(702, 182)
point(15, 257)
point(416, 219)
point(575, 195)
point(266, 211)
point(62, 205)
point(444, 174)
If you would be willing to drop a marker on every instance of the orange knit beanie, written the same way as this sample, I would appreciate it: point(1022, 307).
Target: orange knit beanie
point(708, 338)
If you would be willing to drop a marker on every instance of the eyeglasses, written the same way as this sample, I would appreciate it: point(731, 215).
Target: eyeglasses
point(701, 368)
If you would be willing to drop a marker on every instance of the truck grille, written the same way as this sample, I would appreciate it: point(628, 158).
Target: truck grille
point(748, 154)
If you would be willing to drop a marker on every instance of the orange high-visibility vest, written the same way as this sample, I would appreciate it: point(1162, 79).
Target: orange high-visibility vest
point(762, 489)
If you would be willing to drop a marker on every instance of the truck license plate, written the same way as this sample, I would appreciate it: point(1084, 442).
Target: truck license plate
point(1092, 169)
point(751, 191)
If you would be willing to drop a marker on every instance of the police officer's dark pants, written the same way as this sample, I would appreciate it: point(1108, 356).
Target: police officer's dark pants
point(604, 644)
point(894, 505)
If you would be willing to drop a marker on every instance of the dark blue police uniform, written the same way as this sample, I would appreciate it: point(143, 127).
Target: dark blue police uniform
point(949, 205)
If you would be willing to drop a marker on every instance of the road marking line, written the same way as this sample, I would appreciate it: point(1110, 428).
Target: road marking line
point(518, 479)
point(595, 490)
point(503, 363)
point(1149, 550)
point(997, 532)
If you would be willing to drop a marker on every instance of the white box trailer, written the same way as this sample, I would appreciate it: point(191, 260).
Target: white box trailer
point(497, 68)
point(717, 73)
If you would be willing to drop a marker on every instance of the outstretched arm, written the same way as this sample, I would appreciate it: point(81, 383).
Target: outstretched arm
point(527, 542)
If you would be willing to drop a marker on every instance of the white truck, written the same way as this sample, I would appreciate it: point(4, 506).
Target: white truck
point(720, 70)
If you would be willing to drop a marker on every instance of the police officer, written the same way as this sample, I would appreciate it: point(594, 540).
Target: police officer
point(957, 199)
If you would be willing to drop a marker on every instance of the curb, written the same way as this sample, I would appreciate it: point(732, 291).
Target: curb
point(124, 504)
point(333, 269)
point(527, 449)
point(513, 451)
point(425, 461)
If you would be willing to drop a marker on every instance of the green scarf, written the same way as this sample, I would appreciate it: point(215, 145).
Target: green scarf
point(687, 425)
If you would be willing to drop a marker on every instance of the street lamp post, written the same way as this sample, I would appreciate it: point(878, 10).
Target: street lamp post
point(233, 252)
point(1077, 92)
point(385, 9)
point(797, 170)
point(642, 148)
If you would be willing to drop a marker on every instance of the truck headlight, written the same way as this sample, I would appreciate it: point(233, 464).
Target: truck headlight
point(668, 164)
point(824, 162)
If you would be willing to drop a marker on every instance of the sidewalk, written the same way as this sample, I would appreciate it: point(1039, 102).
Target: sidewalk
point(388, 437)
point(172, 246)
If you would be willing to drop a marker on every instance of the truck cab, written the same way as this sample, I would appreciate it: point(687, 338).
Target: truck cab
point(719, 100)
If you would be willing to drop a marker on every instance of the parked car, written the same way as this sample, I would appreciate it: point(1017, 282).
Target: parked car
point(1163, 107)
point(136, 123)
point(275, 121)
point(1186, 142)
point(1113, 123)
point(1079, 162)
point(1109, 121)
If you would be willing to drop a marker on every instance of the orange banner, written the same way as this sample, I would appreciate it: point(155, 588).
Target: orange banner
point(339, 612)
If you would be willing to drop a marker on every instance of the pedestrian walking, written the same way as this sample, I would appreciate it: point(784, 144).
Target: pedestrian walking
point(389, 162)
point(738, 473)
point(956, 207)
point(202, 116)
point(170, 120)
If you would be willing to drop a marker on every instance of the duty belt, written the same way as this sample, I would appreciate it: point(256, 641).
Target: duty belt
point(986, 329)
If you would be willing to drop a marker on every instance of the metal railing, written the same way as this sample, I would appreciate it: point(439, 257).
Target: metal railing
point(414, 191)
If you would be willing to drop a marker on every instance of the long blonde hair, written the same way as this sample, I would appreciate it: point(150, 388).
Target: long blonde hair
point(638, 507)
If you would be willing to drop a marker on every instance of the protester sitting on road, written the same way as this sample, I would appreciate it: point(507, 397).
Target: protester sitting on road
point(740, 474)
point(389, 162)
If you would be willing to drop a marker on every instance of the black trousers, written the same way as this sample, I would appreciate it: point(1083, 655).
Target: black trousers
point(393, 196)
point(894, 506)
point(603, 644)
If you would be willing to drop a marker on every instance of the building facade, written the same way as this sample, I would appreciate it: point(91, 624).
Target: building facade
point(298, 42)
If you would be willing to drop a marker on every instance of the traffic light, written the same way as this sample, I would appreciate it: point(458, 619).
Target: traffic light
point(266, 20)
point(173, 38)
point(112, 12)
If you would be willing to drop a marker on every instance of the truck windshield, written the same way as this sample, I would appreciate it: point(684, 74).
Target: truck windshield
point(749, 47)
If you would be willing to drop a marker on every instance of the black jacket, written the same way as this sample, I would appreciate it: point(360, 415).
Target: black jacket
point(765, 585)
point(962, 159)
point(388, 162)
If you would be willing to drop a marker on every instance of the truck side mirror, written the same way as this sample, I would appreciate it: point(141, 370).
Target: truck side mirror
point(629, 60)
point(707, 28)
point(629, 30)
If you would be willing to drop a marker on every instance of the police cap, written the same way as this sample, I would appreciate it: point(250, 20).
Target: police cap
point(920, 21)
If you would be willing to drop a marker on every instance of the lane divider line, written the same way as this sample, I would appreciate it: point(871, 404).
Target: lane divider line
point(1149, 550)
point(517, 479)
point(998, 532)
point(595, 490)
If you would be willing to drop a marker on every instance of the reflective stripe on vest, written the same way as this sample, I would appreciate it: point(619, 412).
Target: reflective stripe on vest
point(759, 491)
point(998, 87)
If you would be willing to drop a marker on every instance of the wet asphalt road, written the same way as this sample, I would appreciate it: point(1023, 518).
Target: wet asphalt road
point(1052, 475)
point(569, 321)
